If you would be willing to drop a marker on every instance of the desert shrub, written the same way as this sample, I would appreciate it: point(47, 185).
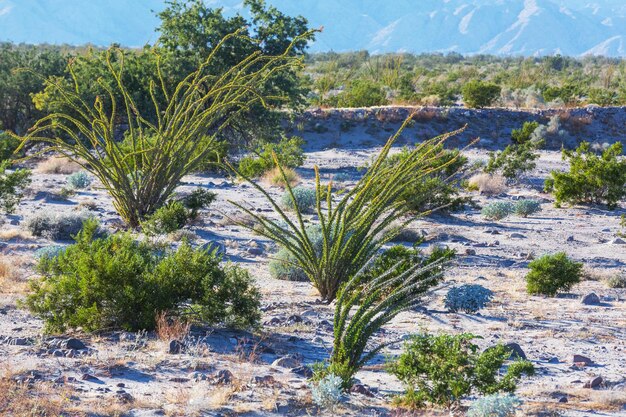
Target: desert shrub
point(117, 282)
point(519, 157)
point(12, 186)
point(284, 266)
point(468, 298)
point(174, 134)
point(58, 165)
point(327, 391)
point(443, 369)
point(524, 134)
point(300, 197)
point(525, 208)
point(48, 252)
point(362, 93)
point(197, 200)
point(79, 180)
point(480, 94)
point(439, 189)
point(281, 178)
point(552, 273)
point(487, 184)
point(498, 210)
point(616, 281)
point(288, 152)
point(56, 226)
point(351, 224)
point(8, 146)
point(591, 178)
point(167, 219)
point(495, 405)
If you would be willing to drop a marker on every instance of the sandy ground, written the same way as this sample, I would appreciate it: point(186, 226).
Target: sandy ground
point(133, 374)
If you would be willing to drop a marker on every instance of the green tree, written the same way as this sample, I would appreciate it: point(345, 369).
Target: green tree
point(480, 94)
point(363, 93)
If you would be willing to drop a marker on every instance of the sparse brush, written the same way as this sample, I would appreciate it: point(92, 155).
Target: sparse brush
point(488, 184)
point(497, 211)
point(495, 405)
point(616, 281)
point(56, 226)
point(327, 392)
point(171, 328)
point(352, 226)
point(58, 165)
point(282, 178)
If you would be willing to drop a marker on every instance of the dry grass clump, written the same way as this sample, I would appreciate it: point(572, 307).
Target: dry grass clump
point(57, 165)
point(12, 279)
point(171, 328)
point(15, 235)
point(274, 178)
point(488, 184)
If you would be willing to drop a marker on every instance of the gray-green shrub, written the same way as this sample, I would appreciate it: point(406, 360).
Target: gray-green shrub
point(117, 282)
point(468, 298)
point(525, 208)
point(495, 405)
point(552, 273)
point(79, 180)
point(301, 198)
point(167, 219)
point(56, 226)
point(498, 210)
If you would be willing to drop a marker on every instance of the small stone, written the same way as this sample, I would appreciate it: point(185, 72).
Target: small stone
point(570, 239)
point(124, 397)
point(517, 236)
point(582, 359)
point(318, 340)
point(224, 377)
point(470, 252)
point(175, 347)
point(74, 344)
point(516, 351)
point(179, 380)
point(563, 399)
point(554, 360)
point(88, 377)
point(593, 383)
point(591, 299)
point(256, 251)
point(58, 353)
point(266, 380)
point(294, 319)
point(286, 362)
point(618, 241)
point(361, 389)
point(18, 341)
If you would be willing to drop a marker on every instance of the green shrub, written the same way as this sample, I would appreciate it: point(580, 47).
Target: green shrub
point(12, 186)
point(443, 369)
point(362, 93)
point(56, 226)
point(302, 198)
point(525, 208)
point(480, 94)
point(552, 273)
point(519, 157)
point(79, 180)
point(468, 298)
point(498, 210)
point(495, 405)
point(438, 189)
point(119, 283)
point(284, 266)
point(525, 134)
point(591, 178)
point(198, 199)
point(8, 146)
point(288, 152)
point(167, 219)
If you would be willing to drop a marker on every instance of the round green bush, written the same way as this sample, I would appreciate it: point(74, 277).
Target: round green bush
point(167, 219)
point(283, 267)
point(79, 180)
point(468, 298)
point(117, 282)
point(304, 198)
point(552, 273)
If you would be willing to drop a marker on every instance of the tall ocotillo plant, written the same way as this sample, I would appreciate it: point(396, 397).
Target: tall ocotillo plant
point(141, 173)
point(354, 228)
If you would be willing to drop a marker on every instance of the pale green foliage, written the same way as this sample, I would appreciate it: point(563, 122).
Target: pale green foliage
point(79, 180)
point(468, 298)
point(327, 391)
point(525, 208)
point(141, 174)
point(353, 227)
point(302, 199)
point(495, 405)
point(498, 210)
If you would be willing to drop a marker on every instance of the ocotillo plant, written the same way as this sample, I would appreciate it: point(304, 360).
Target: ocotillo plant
point(142, 172)
point(355, 227)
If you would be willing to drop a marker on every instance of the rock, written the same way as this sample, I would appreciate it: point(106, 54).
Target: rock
point(124, 397)
point(361, 389)
point(18, 341)
point(516, 351)
point(563, 399)
point(179, 380)
point(309, 313)
point(294, 319)
point(470, 252)
point(196, 376)
point(591, 299)
point(255, 250)
point(303, 370)
point(517, 236)
point(582, 359)
point(286, 362)
point(223, 377)
point(570, 239)
point(554, 360)
point(492, 232)
point(593, 383)
point(618, 241)
point(175, 347)
point(89, 377)
point(318, 340)
point(74, 344)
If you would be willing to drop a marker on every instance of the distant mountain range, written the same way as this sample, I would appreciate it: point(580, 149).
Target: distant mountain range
point(502, 27)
